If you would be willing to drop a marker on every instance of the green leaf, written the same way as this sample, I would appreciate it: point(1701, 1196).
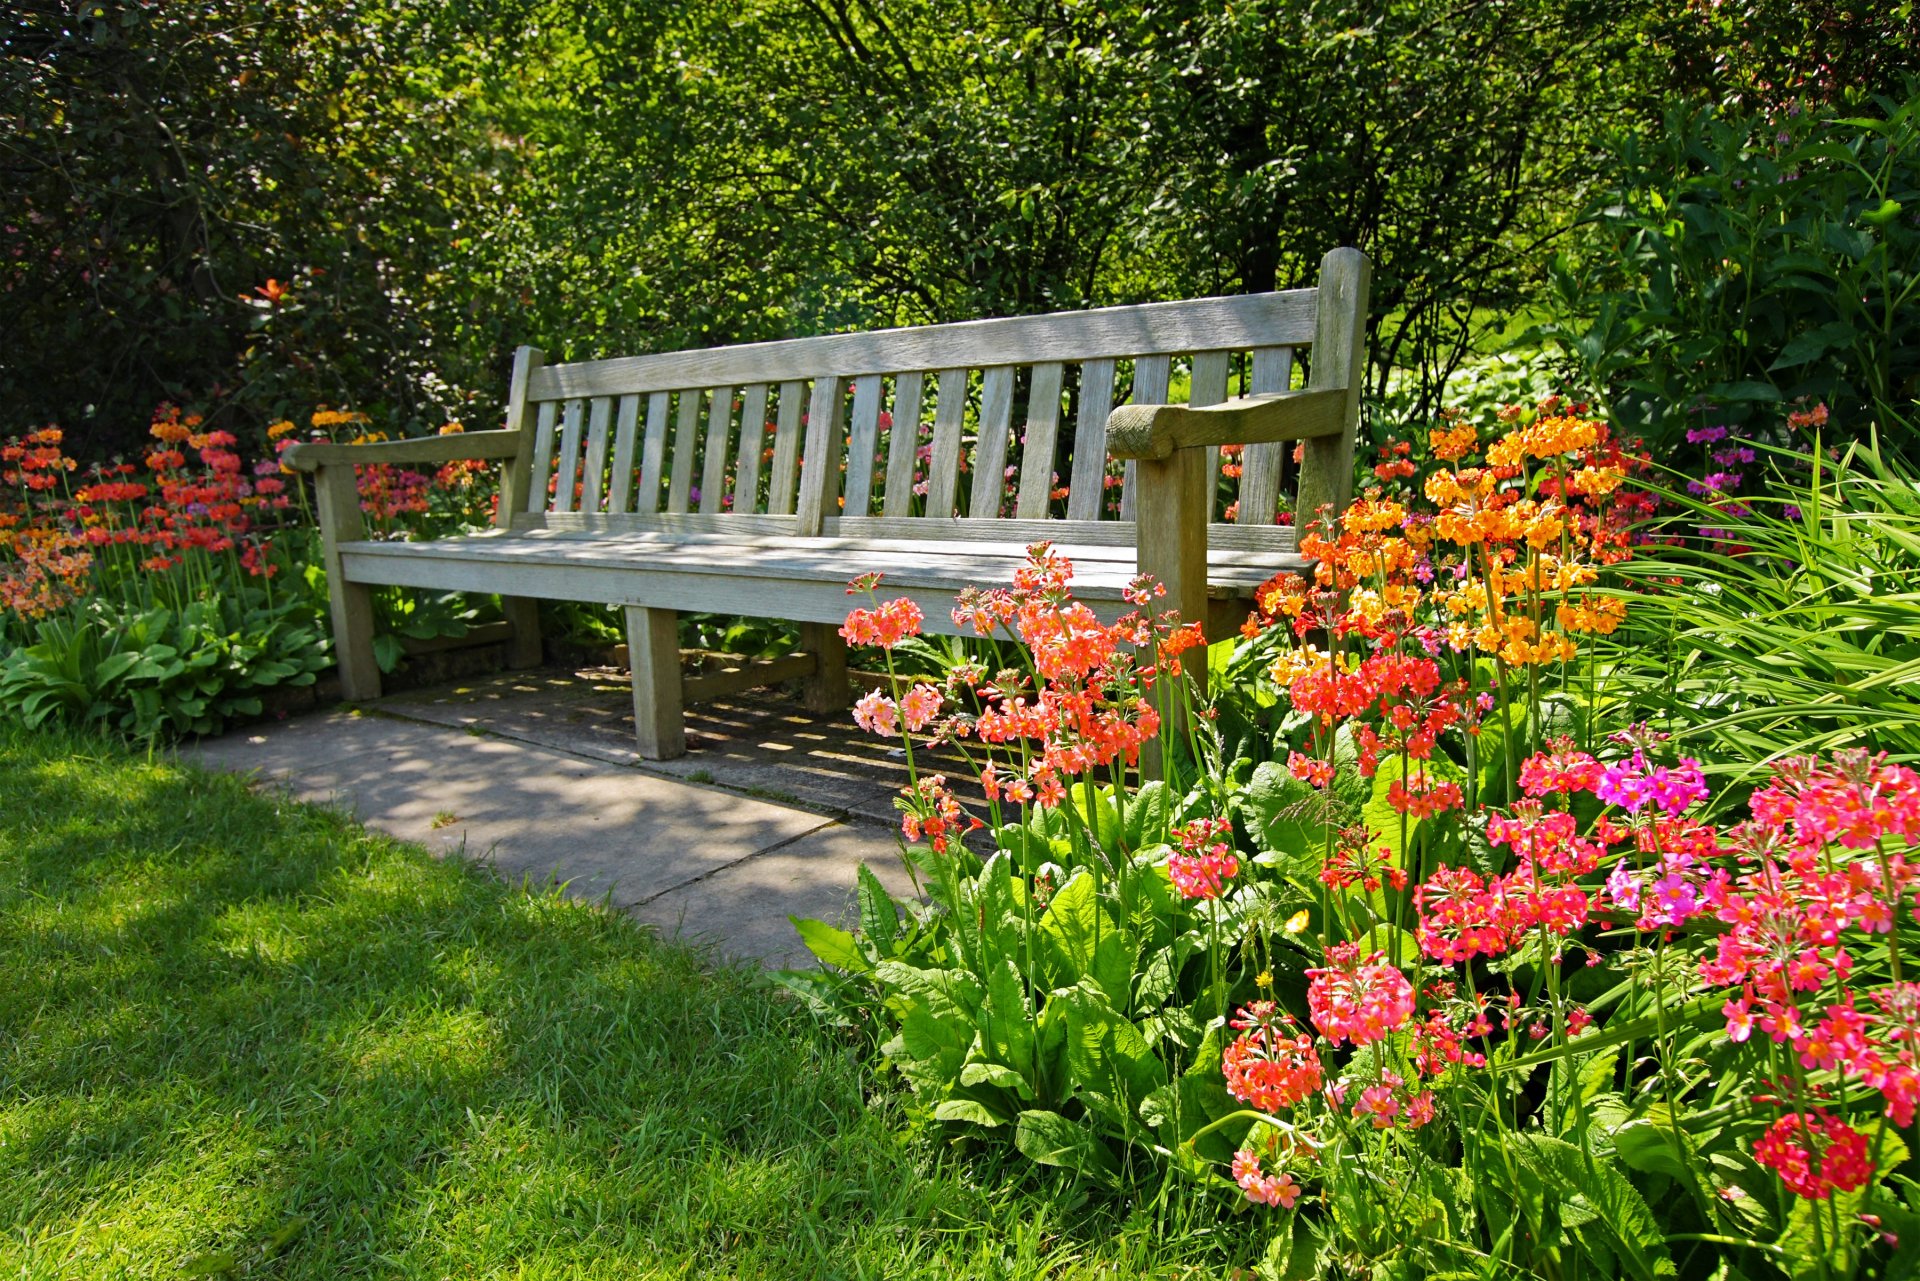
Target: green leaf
point(832, 946)
point(1051, 1139)
point(1082, 938)
point(1622, 1218)
point(968, 1110)
point(879, 918)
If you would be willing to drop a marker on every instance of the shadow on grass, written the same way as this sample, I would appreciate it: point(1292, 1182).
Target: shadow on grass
point(248, 1034)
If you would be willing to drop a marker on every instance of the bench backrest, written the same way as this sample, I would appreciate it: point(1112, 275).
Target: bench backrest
point(968, 430)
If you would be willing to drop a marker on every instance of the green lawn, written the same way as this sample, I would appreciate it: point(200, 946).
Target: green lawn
point(249, 1037)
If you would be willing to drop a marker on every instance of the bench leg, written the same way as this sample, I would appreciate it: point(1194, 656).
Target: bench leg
point(653, 652)
point(523, 612)
point(351, 604)
point(829, 689)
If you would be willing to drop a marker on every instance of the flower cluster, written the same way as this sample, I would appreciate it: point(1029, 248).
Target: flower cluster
point(1205, 861)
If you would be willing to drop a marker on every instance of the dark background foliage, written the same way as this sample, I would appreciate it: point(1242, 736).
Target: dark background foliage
point(428, 184)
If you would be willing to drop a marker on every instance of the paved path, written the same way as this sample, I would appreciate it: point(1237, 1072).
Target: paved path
point(708, 864)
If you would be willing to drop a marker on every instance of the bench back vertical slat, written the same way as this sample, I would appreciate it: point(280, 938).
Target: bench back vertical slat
point(1039, 441)
point(1339, 360)
point(862, 442)
point(786, 449)
point(599, 423)
point(567, 478)
point(686, 444)
point(653, 454)
point(626, 434)
point(713, 469)
point(1152, 376)
point(1211, 370)
point(903, 444)
point(949, 417)
point(753, 443)
point(1086, 492)
point(990, 456)
point(516, 478)
point(1260, 465)
point(542, 455)
point(820, 459)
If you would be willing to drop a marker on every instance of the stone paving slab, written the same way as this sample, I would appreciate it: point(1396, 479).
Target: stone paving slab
point(717, 867)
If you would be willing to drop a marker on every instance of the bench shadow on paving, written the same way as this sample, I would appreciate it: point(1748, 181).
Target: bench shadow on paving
point(535, 773)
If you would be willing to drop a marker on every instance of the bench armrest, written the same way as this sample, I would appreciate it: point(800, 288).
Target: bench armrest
point(1155, 431)
point(471, 445)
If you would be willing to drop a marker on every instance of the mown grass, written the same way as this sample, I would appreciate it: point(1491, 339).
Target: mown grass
point(250, 1038)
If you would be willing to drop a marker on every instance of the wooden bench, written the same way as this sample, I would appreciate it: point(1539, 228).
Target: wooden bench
point(750, 480)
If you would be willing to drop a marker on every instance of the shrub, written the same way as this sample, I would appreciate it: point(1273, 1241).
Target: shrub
point(1742, 259)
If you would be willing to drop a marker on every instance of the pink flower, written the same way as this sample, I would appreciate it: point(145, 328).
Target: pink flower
point(877, 714)
point(1361, 1001)
point(919, 706)
point(1263, 1189)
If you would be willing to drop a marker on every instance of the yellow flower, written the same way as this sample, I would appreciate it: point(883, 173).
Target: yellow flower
point(281, 428)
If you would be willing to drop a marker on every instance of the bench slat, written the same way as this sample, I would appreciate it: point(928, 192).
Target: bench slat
point(1205, 324)
point(990, 455)
point(599, 422)
point(1260, 465)
point(949, 416)
point(820, 459)
point(753, 443)
point(625, 439)
point(713, 470)
point(653, 454)
point(686, 442)
point(1038, 444)
point(542, 456)
point(863, 441)
point(1209, 387)
point(568, 476)
point(1151, 377)
point(1087, 493)
point(903, 443)
point(786, 449)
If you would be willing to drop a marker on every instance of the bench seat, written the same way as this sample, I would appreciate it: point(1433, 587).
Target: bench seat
point(803, 580)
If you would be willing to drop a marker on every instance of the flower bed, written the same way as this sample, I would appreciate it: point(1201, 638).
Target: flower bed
point(1410, 943)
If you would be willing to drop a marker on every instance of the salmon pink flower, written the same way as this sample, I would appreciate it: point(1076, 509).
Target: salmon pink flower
point(876, 714)
point(1352, 999)
point(919, 707)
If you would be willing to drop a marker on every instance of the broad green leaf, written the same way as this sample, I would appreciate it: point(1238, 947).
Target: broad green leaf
point(831, 945)
point(1082, 938)
point(1051, 1139)
point(879, 918)
point(1621, 1215)
point(968, 1110)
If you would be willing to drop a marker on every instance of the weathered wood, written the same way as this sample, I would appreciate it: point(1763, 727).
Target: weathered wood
point(653, 454)
point(820, 461)
point(990, 455)
point(1240, 321)
point(1211, 370)
point(516, 477)
point(753, 444)
point(626, 434)
point(653, 652)
point(713, 466)
point(1157, 431)
point(1339, 362)
point(903, 444)
point(547, 415)
point(746, 675)
point(943, 469)
point(686, 443)
point(862, 442)
point(567, 474)
point(1261, 464)
point(794, 560)
point(1039, 443)
point(786, 449)
point(425, 450)
point(337, 510)
point(1087, 491)
point(593, 480)
point(826, 689)
point(1151, 377)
